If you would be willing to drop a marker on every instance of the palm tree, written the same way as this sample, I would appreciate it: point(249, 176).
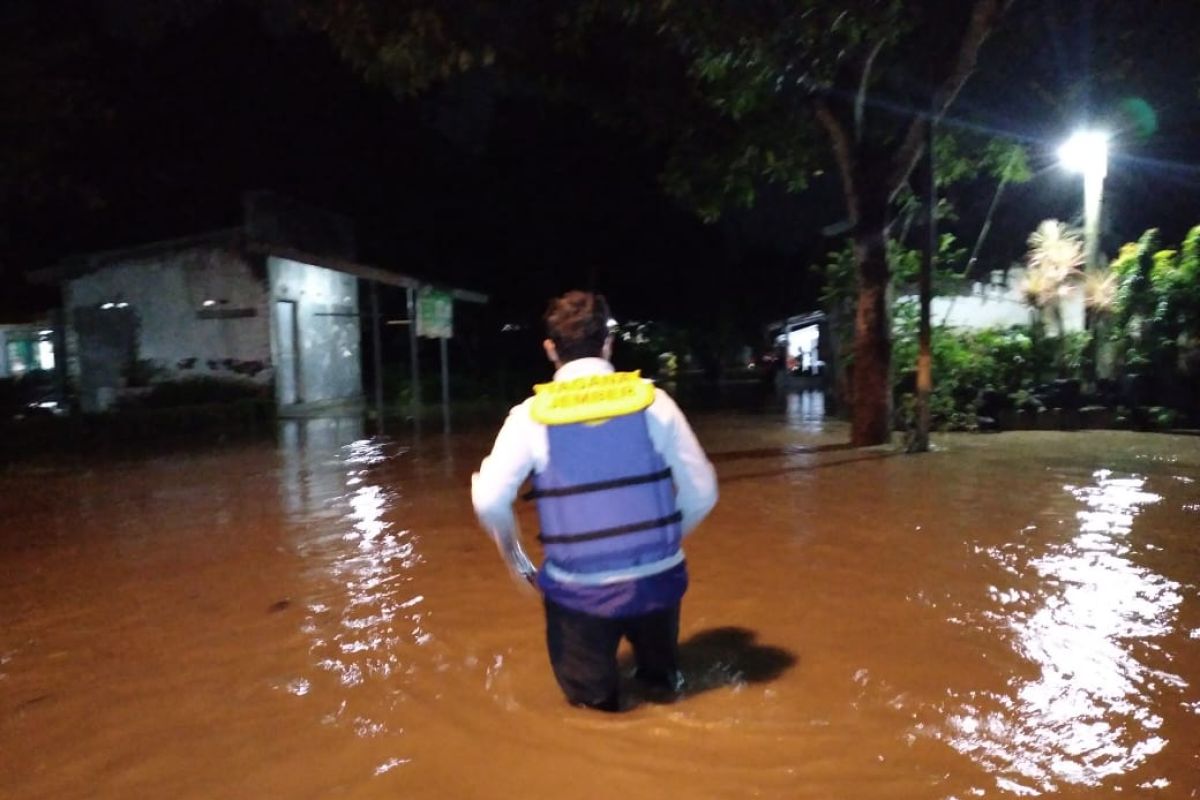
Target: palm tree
point(1038, 288)
point(1052, 264)
point(1099, 291)
point(1056, 253)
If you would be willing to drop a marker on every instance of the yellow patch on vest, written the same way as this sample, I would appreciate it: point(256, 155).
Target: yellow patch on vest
point(592, 398)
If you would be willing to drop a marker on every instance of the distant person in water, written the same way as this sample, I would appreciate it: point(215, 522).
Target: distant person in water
point(619, 480)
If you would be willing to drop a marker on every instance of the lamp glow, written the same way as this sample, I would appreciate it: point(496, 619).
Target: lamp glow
point(1086, 152)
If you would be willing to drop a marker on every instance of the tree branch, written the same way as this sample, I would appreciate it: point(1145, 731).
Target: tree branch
point(860, 99)
point(984, 16)
point(843, 151)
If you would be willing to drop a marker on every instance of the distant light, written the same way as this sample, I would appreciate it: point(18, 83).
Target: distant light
point(209, 303)
point(122, 305)
point(45, 333)
point(45, 354)
point(107, 306)
point(509, 327)
point(1086, 152)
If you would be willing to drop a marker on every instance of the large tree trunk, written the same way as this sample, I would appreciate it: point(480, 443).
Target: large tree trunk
point(872, 403)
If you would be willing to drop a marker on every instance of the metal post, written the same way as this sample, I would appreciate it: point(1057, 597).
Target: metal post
point(920, 442)
point(1093, 193)
point(1093, 190)
point(376, 341)
point(415, 401)
point(445, 385)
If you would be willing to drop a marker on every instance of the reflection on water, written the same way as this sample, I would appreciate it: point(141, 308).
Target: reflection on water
point(354, 557)
point(361, 617)
point(806, 410)
point(1090, 713)
point(308, 448)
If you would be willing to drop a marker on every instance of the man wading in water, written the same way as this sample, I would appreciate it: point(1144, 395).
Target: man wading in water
point(619, 480)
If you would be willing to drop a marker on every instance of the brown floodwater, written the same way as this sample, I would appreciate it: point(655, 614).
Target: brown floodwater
point(1011, 616)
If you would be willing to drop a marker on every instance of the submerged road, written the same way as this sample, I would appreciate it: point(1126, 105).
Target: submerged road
point(1010, 616)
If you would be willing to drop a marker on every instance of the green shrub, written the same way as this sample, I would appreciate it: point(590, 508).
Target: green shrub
point(1008, 361)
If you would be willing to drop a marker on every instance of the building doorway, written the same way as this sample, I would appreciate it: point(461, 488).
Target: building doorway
point(287, 361)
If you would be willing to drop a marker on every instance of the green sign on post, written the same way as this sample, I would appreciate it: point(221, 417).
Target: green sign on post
point(435, 313)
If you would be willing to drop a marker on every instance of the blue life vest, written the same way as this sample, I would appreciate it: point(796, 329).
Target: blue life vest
point(605, 499)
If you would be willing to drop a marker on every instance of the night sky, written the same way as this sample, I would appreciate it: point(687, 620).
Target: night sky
point(171, 118)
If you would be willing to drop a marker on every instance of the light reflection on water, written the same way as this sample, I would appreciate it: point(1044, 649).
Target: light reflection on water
point(361, 622)
point(806, 410)
point(1089, 714)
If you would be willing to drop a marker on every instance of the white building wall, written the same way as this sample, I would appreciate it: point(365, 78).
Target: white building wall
point(996, 305)
point(198, 312)
point(327, 324)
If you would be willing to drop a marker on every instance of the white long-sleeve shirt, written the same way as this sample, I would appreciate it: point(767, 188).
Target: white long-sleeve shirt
point(523, 447)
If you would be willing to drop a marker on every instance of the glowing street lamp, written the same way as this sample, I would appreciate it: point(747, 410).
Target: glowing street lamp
point(1086, 152)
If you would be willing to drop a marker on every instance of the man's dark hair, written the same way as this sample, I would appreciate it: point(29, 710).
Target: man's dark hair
point(577, 323)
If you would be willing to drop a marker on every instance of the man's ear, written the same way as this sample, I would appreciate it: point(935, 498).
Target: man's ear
point(551, 351)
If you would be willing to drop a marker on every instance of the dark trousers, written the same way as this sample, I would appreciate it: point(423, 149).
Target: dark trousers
point(583, 652)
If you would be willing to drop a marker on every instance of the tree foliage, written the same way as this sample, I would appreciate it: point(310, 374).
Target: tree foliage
point(716, 84)
point(1157, 308)
point(730, 89)
point(1133, 267)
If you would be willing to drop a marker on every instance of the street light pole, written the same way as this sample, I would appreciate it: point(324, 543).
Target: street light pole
point(1093, 192)
point(1086, 152)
